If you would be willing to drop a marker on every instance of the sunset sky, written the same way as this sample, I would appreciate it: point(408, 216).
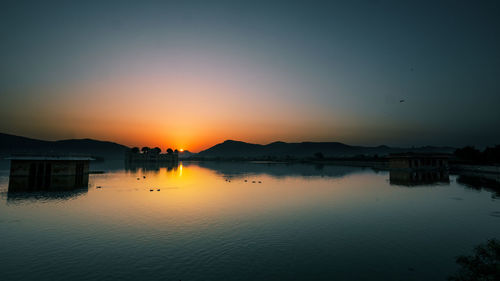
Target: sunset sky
point(190, 74)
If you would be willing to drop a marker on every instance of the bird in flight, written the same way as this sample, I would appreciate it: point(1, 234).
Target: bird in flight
point(401, 101)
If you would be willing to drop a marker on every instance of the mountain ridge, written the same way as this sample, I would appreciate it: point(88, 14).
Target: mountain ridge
point(279, 149)
point(13, 144)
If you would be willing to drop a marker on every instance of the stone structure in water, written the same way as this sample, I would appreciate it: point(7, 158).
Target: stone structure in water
point(48, 173)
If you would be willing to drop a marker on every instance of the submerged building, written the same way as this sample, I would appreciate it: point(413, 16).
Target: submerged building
point(417, 178)
point(419, 161)
point(33, 173)
point(413, 169)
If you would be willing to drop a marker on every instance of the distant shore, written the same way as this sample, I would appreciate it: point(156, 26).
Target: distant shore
point(380, 163)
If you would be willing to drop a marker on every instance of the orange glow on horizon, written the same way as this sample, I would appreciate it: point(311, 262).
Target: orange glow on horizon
point(192, 110)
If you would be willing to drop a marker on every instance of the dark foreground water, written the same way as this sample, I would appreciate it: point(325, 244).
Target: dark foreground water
point(302, 222)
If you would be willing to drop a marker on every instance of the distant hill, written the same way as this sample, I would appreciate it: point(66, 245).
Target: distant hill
point(185, 154)
point(11, 144)
point(230, 149)
point(239, 149)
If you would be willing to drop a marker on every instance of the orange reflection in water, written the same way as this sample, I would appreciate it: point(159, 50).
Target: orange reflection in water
point(197, 196)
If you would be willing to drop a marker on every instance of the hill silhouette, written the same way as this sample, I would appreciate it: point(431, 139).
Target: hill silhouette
point(239, 149)
point(229, 149)
point(12, 144)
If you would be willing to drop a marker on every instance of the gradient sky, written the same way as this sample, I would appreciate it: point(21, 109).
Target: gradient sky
point(190, 74)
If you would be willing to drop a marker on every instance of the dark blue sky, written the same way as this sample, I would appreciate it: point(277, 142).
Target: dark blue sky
point(253, 70)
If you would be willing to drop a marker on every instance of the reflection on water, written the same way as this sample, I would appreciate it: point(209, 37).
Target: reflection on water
point(489, 182)
point(44, 195)
point(242, 169)
point(150, 166)
point(242, 221)
point(56, 183)
point(418, 178)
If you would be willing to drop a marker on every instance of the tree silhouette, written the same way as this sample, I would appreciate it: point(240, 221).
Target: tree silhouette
point(492, 154)
point(156, 150)
point(319, 155)
point(170, 151)
point(484, 264)
point(145, 149)
point(134, 150)
point(468, 153)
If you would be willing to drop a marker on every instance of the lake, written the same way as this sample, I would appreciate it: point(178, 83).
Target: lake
point(211, 221)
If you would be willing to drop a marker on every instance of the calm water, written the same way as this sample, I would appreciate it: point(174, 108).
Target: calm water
point(302, 222)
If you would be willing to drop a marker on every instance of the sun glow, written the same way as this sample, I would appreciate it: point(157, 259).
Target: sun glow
point(181, 150)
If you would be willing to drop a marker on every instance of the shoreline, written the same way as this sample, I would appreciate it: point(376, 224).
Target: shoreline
point(376, 164)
